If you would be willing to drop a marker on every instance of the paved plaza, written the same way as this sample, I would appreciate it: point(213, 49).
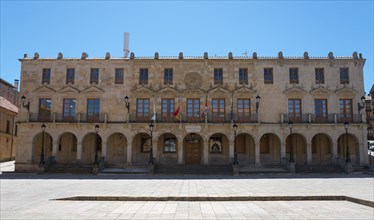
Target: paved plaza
point(33, 196)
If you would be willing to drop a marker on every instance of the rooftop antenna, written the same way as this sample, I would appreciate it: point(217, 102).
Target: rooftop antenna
point(126, 49)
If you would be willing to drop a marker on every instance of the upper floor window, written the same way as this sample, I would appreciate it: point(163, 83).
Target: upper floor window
point(167, 110)
point(268, 75)
point(320, 108)
point(294, 109)
point(142, 109)
point(46, 78)
point(168, 76)
point(143, 76)
point(320, 75)
point(193, 108)
point(294, 75)
point(346, 113)
point(218, 76)
point(93, 109)
point(218, 109)
point(45, 108)
point(70, 74)
point(94, 77)
point(244, 109)
point(118, 78)
point(243, 76)
point(344, 75)
point(69, 109)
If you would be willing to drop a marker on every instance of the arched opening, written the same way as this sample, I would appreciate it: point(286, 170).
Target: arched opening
point(270, 149)
point(116, 149)
point(219, 149)
point(67, 148)
point(167, 152)
point(37, 147)
point(193, 145)
point(245, 147)
point(88, 148)
point(321, 150)
point(141, 149)
point(352, 147)
point(298, 144)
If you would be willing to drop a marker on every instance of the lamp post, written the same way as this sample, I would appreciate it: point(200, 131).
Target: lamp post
point(257, 102)
point(362, 105)
point(42, 153)
point(235, 127)
point(97, 144)
point(27, 106)
point(127, 104)
point(290, 124)
point(348, 158)
point(151, 162)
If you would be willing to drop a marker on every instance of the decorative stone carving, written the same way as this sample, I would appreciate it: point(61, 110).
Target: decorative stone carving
point(354, 55)
point(132, 55)
point(306, 55)
point(331, 55)
point(206, 55)
point(156, 56)
point(280, 55)
point(107, 56)
point(193, 80)
point(36, 56)
point(59, 56)
point(360, 55)
point(180, 55)
point(84, 55)
point(230, 55)
point(254, 55)
point(25, 55)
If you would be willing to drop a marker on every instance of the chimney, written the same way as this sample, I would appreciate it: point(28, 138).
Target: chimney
point(126, 49)
point(16, 82)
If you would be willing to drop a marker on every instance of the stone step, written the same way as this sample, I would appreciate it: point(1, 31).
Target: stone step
point(319, 169)
point(194, 169)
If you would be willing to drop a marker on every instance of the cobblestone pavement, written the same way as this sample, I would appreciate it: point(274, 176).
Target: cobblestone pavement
point(32, 196)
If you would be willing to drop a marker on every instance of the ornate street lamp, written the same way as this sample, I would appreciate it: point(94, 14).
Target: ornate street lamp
point(290, 124)
point(97, 127)
point(127, 104)
point(257, 102)
point(151, 162)
point(348, 157)
point(27, 106)
point(362, 105)
point(235, 127)
point(41, 163)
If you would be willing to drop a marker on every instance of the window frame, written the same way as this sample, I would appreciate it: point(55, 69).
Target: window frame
point(44, 116)
point(322, 106)
point(218, 76)
point(344, 75)
point(294, 75)
point(71, 111)
point(143, 76)
point(194, 111)
point(168, 76)
point(343, 115)
point(294, 115)
point(46, 76)
point(268, 75)
point(319, 73)
point(170, 150)
point(243, 114)
point(218, 112)
point(70, 75)
point(167, 113)
point(93, 115)
point(243, 75)
point(143, 113)
point(94, 75)
point(119, 75)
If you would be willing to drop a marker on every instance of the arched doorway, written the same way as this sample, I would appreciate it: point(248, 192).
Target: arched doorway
point(193, 145)
point(67, 148)
point(245, 147)
point(352, 146)
point(37, 147)
point(321, 150)
point(298, 147)
point(219, 149)
point(116, 149)
point(89, 146)
point(270, 149)
point(141, 149)
point(167, 152)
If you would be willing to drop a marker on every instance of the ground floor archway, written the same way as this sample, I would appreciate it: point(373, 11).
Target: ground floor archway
point(89, 144)
point(167, 149)
point(37, 147)
point(141, 148)
point(245, 148)
point(352, 148)
point(321, 150)
point(116, 149)
point(67, 148)
point(193, 145)
point(270, 149)
point(219, 149)
point(298, 144)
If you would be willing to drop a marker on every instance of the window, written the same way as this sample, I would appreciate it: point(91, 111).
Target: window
point(320, 75)
point(118, 78)
point(143, 76)
point(320, 107)
point(218, 109)
point(294, 75)
point(69, 110)
point(170, 145)
point(94, 77)
point(344, 75)
point(218, 78)
point(167, 110)
point(70, 76)
point(294, 109)
point(46, 78)
point(45, 107)
point(168, 76)
point(268, 75)
point(142, 109)
point(244, 110)
point(193, 109)
point(93, 109)
point(243, 76)
point(7, 126)
point(345, 106)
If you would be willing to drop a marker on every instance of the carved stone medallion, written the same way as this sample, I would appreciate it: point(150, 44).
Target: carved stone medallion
point(193, 80)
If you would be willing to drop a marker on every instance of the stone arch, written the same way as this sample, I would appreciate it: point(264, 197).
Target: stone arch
point(141, 147)
point(322, 149)
point(67, 148)
point(37, 146)
point(116, 149)
point(89, 146)
point(245, 147)
point(353, 147)
point(219, 149)
point(193, 144)
point(298, 143)
point(167, 148)
point(270, 149)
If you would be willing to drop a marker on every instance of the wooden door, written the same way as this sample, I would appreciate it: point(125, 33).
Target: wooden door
point(193, 153)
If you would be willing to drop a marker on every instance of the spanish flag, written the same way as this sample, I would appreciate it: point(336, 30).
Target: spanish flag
point(177, 113)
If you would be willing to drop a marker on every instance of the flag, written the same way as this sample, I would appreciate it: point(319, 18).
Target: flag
point(205, 112)
point(153, 117)
point(177, 113)
point(154, 110)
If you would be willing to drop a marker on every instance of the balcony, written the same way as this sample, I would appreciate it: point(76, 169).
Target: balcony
point(92, 118)
point(330, 118)
point(38, 117)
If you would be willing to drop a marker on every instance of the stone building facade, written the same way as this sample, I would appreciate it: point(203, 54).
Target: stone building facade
point(194, 103)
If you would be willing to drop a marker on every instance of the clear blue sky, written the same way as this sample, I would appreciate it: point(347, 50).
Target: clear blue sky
point(191, 27)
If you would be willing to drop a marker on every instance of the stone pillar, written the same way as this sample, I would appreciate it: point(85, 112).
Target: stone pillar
point(283, 153)
point(104, 150)
point(231, 147)
point(257, 154)
point(206, 151)
point(129, 151)
point(55, 148)
point(180, 150)
point(79, 152)
point(334, 153)
point(154, 150)
point(309, 153)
